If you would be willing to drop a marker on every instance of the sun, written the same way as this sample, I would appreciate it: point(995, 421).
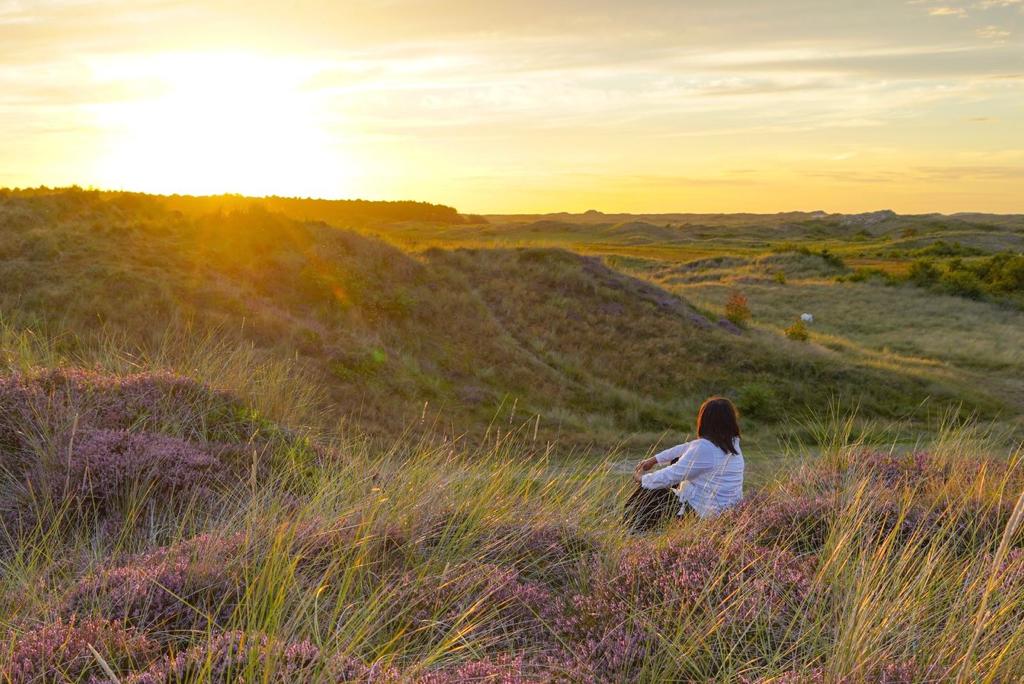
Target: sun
point(220, 123)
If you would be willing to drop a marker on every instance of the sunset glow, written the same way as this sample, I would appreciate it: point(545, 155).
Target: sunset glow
point(219, 123)
point(495, 107)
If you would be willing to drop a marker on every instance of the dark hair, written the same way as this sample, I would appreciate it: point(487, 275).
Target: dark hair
point(718, 423)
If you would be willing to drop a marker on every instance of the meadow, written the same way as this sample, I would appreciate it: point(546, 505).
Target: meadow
point(385, 444)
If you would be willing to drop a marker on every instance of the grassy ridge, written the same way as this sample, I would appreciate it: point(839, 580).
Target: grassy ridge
point(958, 329)
point(403, 338)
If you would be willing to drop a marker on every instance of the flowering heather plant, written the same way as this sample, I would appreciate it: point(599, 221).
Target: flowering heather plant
point(160, 401)
point(900, 469)
point(894, 672)
point(106, 471)
point(239, 657)
point(60, 651)
point(493, 604)
point(1012, 570)
point(799, 523)
point(104, 464)
point(79, 441)
point(318, 544)
point(965, 527)
point(187, 587)
point(501, 670)
point(543, 552)
point(632, 606)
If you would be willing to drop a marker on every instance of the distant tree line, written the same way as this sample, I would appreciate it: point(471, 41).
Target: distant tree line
point(355, 211)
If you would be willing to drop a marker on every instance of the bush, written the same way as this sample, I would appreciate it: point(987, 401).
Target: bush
point(737, 308)
point(500, 607)
point(832, 259)
point(999, 275)
point(923, 272)
point(941, 248)
point(798, 331)
point(63, 651)
point(864, 274)
point(90, 443)
point(633, 604)
point(963, 283)
point(242, 657)
point(176, 590)
point(800, 524)
point(758, 400)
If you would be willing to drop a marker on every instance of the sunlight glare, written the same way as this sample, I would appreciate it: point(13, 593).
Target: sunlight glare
point(221, 123)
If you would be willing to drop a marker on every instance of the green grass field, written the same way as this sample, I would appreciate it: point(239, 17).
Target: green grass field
point(276, 440)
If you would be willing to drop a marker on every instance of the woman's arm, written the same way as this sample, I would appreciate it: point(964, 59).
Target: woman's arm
point(667, 456)
point(694, 462)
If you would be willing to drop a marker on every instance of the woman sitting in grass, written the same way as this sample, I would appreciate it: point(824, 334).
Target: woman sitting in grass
point(709, 470)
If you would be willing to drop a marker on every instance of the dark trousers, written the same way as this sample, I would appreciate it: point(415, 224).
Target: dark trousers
point(649, 509)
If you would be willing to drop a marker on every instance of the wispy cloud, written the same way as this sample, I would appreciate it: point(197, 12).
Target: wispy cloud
point(657, 93)
point(958, 12)
point(989, 4)
point(992, 32)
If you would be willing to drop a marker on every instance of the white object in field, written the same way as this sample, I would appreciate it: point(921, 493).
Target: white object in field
point(807, 318)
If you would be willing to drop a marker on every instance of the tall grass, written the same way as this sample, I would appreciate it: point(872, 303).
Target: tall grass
point(436, 561)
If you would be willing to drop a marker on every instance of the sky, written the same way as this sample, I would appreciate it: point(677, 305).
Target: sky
point(527, 106)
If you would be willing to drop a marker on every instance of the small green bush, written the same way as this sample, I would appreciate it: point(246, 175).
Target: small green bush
point(758, 400)
point(737, 308)
point(997, 276)
point(941, 248)
point(923, 272)
point(832, 259)
point(798, 331)
point(864, 274)
point(963, 283)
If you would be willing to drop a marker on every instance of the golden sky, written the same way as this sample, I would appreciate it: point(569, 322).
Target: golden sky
point(525, 106)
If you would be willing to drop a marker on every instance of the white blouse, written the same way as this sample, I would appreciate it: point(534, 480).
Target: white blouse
point(714, 479)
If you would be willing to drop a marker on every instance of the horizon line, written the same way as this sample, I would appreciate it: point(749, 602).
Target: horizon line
point(584, 212)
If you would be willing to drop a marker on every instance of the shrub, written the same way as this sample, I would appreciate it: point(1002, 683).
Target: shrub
point(998, 275)
point(188, 587)
point(893, 468)
point(105, 463)
point(798, 523)
point(634, 603)
point(963, 283)
point(863, 274)
point(317, 545)
point(543, 552)
point(831, 259)
point(492, 604)
point(888, 672)
point(923, 272)
point(84, 442)
point(501, 670)
point(798, 331)
point(242, 657)
point(780, 277)
point(758, 400)
point(106, 473)
point(737, 308)
point(159, 401)
point(60, 651)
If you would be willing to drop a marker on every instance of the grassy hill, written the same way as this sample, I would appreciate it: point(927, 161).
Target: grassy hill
point(243, 442)
point(444, 339)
